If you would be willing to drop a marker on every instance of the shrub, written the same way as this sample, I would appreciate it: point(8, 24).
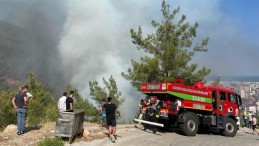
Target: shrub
point(7, 112)
point(42, 108)
point(51, 142)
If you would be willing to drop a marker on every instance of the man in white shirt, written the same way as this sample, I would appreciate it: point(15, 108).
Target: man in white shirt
point(29, 96)
point(62, 102)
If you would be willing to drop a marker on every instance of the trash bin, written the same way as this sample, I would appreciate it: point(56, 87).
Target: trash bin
point(70, 124)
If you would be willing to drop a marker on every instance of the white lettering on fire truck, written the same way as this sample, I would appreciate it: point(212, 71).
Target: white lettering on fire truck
point(163, 86)
point(198, 106)
point(190, 90)
point(153, 86)
point(198, 98)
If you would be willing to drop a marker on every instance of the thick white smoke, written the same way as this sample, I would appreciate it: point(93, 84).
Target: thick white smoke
point(97, 43)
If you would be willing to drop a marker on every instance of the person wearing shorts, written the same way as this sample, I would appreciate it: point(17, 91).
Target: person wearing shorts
point(110, 109)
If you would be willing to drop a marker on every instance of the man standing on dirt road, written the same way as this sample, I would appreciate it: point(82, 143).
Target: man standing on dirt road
point(110, 109)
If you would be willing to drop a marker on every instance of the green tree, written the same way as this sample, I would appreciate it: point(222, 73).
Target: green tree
point(110, 89)
point(82, 103)
point(168, 51)
point(7, 112)
point(43, 107)
point(216, 82)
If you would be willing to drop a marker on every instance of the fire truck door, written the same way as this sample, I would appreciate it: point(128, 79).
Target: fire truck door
point(229, 103)
point(232, 103)
point(222, 105)
point(214, 99)
point(218, 99)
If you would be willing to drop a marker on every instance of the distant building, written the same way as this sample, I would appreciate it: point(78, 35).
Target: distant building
point(242, 93)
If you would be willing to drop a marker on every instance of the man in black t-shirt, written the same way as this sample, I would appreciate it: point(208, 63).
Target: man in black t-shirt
point(110, 109)
point(70, 102)
point(20, 104)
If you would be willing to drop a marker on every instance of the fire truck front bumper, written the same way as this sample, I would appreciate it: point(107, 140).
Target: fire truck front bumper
point(150, 123)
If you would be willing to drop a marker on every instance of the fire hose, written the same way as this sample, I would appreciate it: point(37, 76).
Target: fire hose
point(149, 123)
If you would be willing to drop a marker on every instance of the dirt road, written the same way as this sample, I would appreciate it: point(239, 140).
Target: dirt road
point(138, 137)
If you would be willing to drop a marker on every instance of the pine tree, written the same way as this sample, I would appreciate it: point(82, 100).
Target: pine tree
point(168, 51)
point(43, 106)
point(216, 82)
point(110, 89)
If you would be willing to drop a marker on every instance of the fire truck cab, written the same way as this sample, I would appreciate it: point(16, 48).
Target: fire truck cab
point(192, 108)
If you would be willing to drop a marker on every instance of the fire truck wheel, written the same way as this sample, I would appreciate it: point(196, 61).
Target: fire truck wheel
point(190, 125)
point(230, 129)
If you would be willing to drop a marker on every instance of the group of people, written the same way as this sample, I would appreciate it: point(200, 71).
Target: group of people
point(20, 103)
point(252, 121)
point(66, 103)
point(108, 109)
point(153, 101)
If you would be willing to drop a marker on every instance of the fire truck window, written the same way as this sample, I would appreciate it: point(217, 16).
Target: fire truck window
point(222, 95)
point(232, 98)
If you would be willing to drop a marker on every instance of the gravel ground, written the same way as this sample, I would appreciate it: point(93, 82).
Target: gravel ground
point(138, 137)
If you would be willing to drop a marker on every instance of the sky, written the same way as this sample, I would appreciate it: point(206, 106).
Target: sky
point(246, 13)
point(93, 37)
point(232, 27)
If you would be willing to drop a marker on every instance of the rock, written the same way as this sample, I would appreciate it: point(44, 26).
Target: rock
point(10, 129)
point(86, 133)
point(98, 135)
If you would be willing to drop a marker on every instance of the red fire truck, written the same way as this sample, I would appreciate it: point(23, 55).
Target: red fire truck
point(192, 108)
